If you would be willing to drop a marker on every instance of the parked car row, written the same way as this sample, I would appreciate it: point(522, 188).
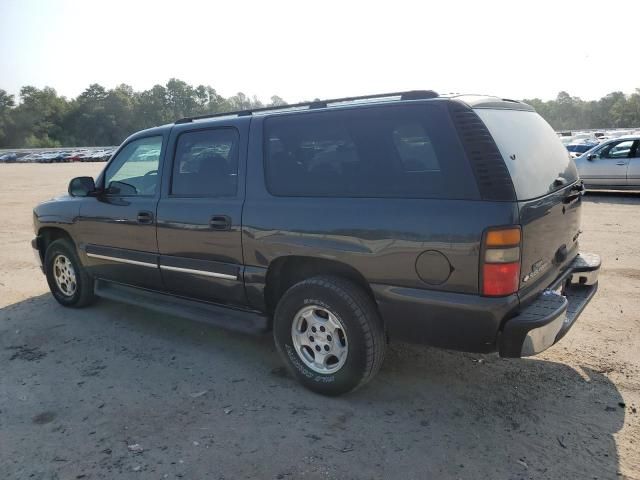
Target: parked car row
point(59, 156)
point(578, 143)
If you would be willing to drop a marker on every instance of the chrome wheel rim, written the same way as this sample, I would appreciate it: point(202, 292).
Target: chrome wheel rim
point(64, 275)
point(319, 339)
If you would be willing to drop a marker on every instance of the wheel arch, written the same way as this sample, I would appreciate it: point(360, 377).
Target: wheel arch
point(47, 235)
point(286, 271)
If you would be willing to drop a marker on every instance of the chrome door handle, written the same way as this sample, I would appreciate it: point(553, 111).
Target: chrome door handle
point(621, 163)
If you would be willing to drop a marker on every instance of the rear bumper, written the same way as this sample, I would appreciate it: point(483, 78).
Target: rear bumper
point(549, 317)
point(473, 323)
point(456, 321)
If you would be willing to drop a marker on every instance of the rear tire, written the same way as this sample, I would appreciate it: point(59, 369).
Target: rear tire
point(329, 334)
point(68, 281)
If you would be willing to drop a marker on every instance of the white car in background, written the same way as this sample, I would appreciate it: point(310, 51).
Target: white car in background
point(612, 165)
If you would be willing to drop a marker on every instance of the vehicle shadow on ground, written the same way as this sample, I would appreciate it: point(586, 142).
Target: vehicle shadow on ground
point(79, 386)
point(614, 197)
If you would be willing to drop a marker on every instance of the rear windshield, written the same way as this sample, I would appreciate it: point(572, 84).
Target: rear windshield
point(407, 151)
point(532, 151)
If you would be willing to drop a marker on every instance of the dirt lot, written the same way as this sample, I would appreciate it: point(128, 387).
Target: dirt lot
point(118, 392)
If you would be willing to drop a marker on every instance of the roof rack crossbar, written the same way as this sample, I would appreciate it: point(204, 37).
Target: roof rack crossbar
point(409, 95)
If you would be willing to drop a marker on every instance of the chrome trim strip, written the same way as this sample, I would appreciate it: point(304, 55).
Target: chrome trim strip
point(122, 260)
point(199, 272)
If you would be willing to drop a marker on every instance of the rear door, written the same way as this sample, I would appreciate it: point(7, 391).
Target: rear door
point(199, 213)
point(545, 179)
point(608, 165)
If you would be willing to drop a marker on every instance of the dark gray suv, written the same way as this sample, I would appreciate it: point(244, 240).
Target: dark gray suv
point(340, 225)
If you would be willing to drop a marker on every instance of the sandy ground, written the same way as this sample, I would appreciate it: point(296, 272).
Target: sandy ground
point(119, 392)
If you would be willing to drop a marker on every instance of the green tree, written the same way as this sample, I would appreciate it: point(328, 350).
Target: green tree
point(7, 103)
point(276, 101)
point(38, 120)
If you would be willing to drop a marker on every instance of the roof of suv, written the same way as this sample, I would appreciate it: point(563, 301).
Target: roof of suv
point(473, 101)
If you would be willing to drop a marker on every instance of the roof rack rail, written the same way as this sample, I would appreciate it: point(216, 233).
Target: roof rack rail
point(409, 95)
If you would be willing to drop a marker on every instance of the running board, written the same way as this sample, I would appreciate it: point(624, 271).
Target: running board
point(234, 319)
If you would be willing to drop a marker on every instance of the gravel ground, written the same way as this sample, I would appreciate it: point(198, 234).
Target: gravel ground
point(113, 391)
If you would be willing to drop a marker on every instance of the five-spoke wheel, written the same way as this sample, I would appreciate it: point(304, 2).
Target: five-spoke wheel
point(68, 280)
point(319, 339)
point(65, 275)
point(330, 334)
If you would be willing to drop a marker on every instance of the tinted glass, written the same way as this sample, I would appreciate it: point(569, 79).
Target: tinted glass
point(134, 171)
point(531, 149)
point(206, 163)
point(382, 151)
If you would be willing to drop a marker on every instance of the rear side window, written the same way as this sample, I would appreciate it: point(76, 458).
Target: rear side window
point(531, 150)
point(383, 151)
point(206, 163)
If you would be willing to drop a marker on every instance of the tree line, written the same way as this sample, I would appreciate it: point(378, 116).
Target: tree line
point(614, 110)
point(100, 116)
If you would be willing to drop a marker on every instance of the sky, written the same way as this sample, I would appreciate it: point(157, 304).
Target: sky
point(301, 49)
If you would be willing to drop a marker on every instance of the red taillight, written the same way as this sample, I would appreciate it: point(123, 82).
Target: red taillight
point(500, 262)
point(499, 279)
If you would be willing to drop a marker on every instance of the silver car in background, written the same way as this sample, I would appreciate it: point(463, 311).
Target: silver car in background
point(612, 165)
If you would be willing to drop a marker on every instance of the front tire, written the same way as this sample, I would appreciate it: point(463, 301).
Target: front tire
point(329, 333)
point(68, 281)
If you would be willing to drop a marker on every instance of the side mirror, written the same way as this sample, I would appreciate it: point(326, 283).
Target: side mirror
point(592, 156)
point(82, 187)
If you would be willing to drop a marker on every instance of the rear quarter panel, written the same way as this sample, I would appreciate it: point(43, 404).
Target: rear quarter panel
point(379, 237)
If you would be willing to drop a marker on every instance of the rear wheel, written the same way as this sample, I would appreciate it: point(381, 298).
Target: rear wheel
point(329, 333)
point(68, 281)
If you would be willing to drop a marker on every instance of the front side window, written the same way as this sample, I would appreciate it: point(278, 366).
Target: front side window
point(391, 151)
point(134, 171)
point(617, 150)
point(206, 164)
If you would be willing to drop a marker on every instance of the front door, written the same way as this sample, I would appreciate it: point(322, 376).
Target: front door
point(199, 213)
point(608, 165)
point(117, 229)
point(633, 171)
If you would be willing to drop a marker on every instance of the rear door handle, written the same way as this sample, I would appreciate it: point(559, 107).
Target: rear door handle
point(621, 163)
point(220, 222)
point(145, 217)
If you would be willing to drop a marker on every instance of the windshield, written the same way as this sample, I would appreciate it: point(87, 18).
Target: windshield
point(536, 159)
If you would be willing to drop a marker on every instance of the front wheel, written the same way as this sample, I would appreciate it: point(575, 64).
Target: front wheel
point(68, 281)
point(329, 333)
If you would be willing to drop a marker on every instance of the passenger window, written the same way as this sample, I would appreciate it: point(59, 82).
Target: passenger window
point(382, 151)
point(134, 170)
point(617, 150)
point(415, 149)
point(206, 164)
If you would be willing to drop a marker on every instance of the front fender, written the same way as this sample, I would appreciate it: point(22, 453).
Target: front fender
point(61, 212)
